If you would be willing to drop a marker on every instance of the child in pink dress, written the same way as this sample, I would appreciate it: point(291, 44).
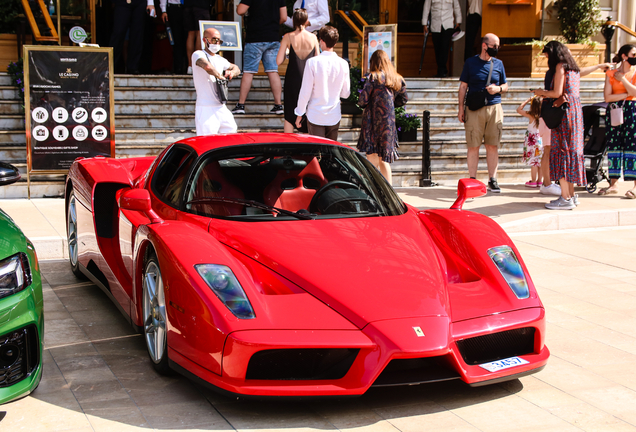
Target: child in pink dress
point(533, 145)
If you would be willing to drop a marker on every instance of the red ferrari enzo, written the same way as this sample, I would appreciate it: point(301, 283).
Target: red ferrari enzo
point(285, 265)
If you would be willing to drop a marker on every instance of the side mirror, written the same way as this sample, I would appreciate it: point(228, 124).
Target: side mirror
point(137, 200)
point(8, 174)
point(468, 188)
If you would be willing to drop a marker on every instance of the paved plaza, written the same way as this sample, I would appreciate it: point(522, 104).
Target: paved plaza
point(98, 377)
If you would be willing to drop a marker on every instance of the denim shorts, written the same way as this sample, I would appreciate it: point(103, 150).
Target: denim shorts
point(256, 51)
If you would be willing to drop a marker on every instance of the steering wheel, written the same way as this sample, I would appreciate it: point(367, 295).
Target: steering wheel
point(332, 184)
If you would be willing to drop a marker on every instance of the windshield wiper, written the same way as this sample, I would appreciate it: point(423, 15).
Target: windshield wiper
point(255, 204)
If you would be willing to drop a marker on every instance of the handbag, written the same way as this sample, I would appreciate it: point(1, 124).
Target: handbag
point(616, 111)
point(553, 111)
point(222, 90)
point(479, 99)
point(616, 114)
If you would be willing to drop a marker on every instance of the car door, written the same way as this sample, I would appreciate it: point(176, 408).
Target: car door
point(166, 185)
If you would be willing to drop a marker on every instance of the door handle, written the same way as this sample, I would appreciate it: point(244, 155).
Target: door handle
point(386, 16)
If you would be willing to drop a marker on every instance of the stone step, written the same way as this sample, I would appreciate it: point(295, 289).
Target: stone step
point(265, 94)
point(5, 79)
point(449, 178)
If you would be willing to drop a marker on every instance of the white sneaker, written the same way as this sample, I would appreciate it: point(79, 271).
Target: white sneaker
point(552, 189)
point(560, 204)
point(189, 70)
point(575, 199)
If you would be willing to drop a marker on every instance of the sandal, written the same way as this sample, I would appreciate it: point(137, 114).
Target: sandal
point(630, 194)
point(531, 184)
point(608, 191)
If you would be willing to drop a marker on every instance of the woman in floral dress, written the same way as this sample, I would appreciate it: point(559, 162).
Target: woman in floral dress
point(383, 90)
point(566, 153)
point(620, 89)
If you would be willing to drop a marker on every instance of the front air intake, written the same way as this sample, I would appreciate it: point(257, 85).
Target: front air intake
point(497, 346)
point(301, 364)
point(19, 355)
point(416, 371)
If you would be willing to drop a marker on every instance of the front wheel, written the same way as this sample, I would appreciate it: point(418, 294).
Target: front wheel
point(71, 236)
point(154, 315)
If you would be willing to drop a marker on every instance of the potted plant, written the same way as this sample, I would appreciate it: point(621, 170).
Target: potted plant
point(407, 125)
point(579, 22)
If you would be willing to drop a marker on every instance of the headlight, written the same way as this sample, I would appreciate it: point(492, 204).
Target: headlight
point(227, 288)
point(15, 274)
point(510, 268)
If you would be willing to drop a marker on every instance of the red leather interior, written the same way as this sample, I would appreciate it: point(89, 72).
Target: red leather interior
point(212, 183)
point(285, 193)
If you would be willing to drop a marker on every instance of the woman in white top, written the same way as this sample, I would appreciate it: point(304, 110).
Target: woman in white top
point(302, 45)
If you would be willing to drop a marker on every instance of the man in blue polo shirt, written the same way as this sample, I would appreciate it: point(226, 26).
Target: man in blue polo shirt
point(485, 123)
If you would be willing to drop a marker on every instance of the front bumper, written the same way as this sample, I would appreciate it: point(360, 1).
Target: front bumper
point(22, 326)
point(387, 353)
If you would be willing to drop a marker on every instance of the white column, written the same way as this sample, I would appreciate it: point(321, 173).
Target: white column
point(629, 19)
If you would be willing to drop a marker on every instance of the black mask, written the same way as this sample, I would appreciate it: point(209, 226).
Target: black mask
point(492, 52)
point(631, 61)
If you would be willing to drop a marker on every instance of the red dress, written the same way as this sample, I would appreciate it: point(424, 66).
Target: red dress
point(566, 153)
point(378, 133)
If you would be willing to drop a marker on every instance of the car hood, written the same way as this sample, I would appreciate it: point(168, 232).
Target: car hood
point(12, 239)
point(367, 269)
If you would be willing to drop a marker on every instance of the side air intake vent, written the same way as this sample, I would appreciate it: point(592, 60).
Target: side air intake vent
point(497, 346)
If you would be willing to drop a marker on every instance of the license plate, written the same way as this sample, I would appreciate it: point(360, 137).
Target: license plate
point(503, 364)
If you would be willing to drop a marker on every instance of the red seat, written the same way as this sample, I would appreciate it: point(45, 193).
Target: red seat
point(212, 183)
point(293, 190)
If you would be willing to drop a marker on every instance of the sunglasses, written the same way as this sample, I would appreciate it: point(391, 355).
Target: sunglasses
point(214, 41)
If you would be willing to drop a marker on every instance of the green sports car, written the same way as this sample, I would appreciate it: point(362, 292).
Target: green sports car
point(21, 315)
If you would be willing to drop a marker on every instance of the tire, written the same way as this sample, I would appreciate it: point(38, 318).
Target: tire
point(71, 236)
point(154, 316)
point(590, 187)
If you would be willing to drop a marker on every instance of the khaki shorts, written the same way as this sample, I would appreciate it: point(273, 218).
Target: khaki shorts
point(484, 125)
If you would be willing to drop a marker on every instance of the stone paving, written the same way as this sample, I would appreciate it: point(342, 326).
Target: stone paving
point(98, 377)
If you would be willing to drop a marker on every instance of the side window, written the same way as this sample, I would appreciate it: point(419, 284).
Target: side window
point(168, 179)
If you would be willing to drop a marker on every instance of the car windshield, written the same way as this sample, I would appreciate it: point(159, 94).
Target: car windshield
point(288, 181)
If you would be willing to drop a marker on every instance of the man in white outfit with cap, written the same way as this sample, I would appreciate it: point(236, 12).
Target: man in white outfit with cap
point(211, 115)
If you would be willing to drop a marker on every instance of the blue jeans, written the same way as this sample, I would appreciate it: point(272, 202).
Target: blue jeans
point(257, 51)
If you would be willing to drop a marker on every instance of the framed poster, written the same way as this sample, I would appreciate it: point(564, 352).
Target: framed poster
point(230, 33)
point(379, 37)
point(69, 106)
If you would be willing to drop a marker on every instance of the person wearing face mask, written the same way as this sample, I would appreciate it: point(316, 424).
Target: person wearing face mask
point(567, 165)
point(621, 144)
point(483, 124)
point(211, 115)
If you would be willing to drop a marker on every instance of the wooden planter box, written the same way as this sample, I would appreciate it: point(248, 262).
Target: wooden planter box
point(523, 61)
point(8, 50)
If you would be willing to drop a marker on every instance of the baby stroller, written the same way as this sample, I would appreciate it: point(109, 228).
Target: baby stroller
point(595, 144)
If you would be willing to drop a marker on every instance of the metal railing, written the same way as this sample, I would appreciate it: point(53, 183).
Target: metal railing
point(608, 30)
point(35, 29)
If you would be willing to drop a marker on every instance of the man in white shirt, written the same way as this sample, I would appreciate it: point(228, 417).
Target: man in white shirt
point(211, 115)
point(325, 81)
point(473, 25)
point(442, 28)
point(317, 14)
